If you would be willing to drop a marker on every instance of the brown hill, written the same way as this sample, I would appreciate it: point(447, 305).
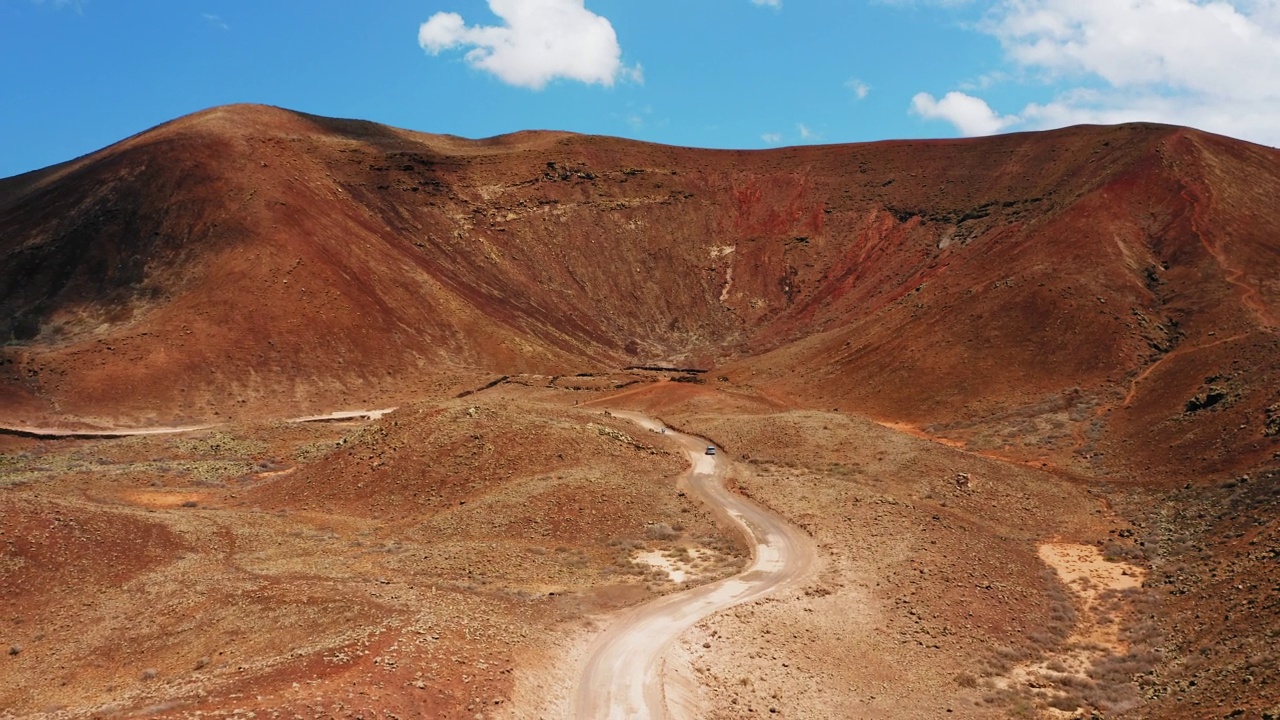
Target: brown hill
point(1102, 293)
point(1099, 304)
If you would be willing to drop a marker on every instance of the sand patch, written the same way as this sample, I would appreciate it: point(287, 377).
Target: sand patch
point(273, 473)
point(1099, 586)
point(1094, 664)
point(914, 431)
point(679, 565)
point(163, 498)
point(1087, 572)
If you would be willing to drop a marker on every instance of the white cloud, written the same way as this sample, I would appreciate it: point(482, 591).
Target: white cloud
point(769, 3)
point(215, 21)
point(540, 41)
point(859, 88)
point(922, 3)
point(1211, 47)
point(77, 5)
point(772, 138)
point(970, 115)
point(634, 74)
point(985, 81)
point(637, 115)
point(805, 132)
point(1211, 64)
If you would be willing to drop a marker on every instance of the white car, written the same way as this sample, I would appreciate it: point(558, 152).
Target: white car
point(711, 449)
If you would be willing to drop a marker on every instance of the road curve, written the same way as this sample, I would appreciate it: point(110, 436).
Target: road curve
point(622, 678)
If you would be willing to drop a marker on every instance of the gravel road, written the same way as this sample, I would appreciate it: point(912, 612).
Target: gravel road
point(623, 675)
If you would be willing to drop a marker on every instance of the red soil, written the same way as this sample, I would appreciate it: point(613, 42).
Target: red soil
point(249, 260)
point(1098, 303)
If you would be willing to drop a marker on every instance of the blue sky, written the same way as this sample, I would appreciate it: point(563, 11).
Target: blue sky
point(81, 74)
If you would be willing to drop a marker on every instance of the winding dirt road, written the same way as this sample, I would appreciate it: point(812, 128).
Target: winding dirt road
point(622, 677)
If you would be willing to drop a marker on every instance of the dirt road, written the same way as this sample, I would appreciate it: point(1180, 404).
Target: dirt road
point(96, 433)
point(106, 433)
point(622, 677)
point(343, 415)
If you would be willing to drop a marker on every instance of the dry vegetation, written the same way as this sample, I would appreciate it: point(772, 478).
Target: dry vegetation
point(989, 377)
point(945, 589)
point(279, 568)
point(937, 586)
point(450, 559)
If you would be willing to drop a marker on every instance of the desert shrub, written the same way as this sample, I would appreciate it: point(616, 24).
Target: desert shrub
point(218, 445)
point(661, 531)
point(1123, 552)
point(1010, 654)
point(1066, 702)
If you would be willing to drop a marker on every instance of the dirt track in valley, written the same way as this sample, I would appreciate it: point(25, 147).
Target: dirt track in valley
point(623, 676)
point(106, 433)
point(100, 433)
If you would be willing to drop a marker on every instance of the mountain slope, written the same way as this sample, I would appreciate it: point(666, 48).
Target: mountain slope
point(1028, 294)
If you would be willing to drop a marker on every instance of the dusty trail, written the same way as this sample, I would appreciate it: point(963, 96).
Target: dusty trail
point(106, 433)
point(1133, 386)
point(622, 677)
point(1250, 295)
point(343, 415)
point(96, 433)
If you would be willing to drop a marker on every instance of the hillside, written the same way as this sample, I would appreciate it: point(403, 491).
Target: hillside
point(1022, 392)
point(1078, 288)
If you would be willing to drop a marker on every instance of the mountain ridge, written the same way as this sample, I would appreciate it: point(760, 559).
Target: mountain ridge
point(259, 257)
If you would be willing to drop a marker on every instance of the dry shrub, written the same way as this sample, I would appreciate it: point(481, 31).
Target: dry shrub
point(1066, 702)
point(661, 531)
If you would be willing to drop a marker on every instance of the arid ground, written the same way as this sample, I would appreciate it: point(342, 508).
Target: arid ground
point(1019, 397)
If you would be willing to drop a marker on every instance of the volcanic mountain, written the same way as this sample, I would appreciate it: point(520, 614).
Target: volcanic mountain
point(1091, 291)
point(1020, 393)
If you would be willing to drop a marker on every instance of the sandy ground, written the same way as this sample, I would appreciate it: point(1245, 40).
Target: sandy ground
point(934, 596)
point(624, 676)
point(277, 582)
point(468, 558)
point(444, 559)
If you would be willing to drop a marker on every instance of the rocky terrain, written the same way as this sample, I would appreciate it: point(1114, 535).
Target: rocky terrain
point(1023, 393)
point(227, 571)
point(957, 583)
